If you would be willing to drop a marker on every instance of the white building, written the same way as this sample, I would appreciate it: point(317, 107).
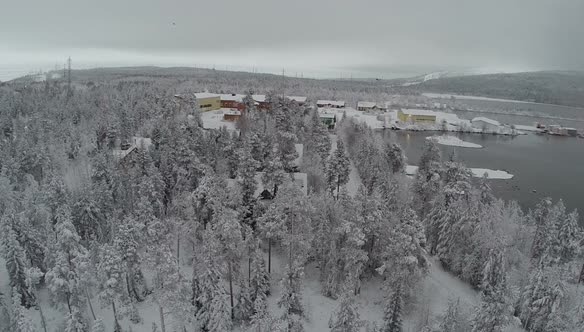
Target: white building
point(486, 124)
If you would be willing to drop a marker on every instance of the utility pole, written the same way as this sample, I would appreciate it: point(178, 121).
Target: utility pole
point(69, 92)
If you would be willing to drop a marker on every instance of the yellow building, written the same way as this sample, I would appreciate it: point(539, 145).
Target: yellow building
point(208, 101)
point(416, 116)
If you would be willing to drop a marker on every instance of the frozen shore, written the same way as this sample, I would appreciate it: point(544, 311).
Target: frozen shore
point(476, 172)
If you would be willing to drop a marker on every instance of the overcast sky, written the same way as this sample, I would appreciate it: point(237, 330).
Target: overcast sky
point(299, 35)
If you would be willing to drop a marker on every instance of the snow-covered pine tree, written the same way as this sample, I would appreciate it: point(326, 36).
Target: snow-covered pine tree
point(394, 157)
point(492, 314)
point(337, 169)
point(570, 236)
point(246, 172)
point(98, 325)
point(273, 175)
point(19, 321)
point(260, 279)
point(346, 317)
point(16, 267)
point(543, 231)
point(319, 140)
point(451, 320)
point(110, 271)
point(392, 319)
point(64, 279)
point(244, 307)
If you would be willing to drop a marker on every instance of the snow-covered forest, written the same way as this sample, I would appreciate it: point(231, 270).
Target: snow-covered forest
point(173, 236)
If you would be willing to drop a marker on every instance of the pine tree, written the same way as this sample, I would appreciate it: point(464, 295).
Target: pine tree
point(75, 322)
point(64, 279)
point(569, 238)
point(98, 325)
point(110, 276)
point(260, 279)
point(338, 169)
point(16, 267)
point(346, 317)
point(493, 312)
point(19, 320)
point(451, 320)
point(244, 306)
point(319, 141)
point(246, 172)
point(393, 312)
point(273, 175)
point(394, 158)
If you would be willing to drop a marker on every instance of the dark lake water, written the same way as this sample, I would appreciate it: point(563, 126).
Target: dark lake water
point(552, 166)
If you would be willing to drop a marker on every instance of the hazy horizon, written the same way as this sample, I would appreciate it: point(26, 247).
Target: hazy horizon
point(377, 39)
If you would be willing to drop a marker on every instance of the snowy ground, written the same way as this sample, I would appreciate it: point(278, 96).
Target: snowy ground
point(214, 120)
point(453, 141)
point(528, 128)
point(477, 172)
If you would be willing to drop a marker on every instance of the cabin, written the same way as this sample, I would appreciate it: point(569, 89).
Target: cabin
point(329, 119)
point(208, 101)
point(416, 116)
point(231, 115)
point(261, 102)
point(331, 103)
point(299, 100)
point(127, 153)
point(366, 106)
point(486, 124)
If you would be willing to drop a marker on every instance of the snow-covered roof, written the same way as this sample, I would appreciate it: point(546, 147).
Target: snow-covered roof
point(297, 99)
point(486, 120)
point(143, 142)
point(331, 102)
point(259, 98)
point(418, 112)
point(327, 115)
point(232, 97)
point(200, 95)
point(366, 104)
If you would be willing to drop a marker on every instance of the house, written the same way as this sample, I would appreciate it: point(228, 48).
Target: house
point(261, 102)
point(572, 132)
point(331, 103)
point(365, 106)
point(231, 115)
point(416, 116)
point(208, 101)
point(486, 124)
point(329, 119)
point(127, 152)
point(297, 99)
point(232, 100)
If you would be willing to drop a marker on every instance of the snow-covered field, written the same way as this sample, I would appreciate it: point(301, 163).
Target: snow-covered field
point(477, 172)
point(453, 141)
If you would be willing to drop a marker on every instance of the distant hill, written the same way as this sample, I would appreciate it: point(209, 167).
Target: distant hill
point(552, 87)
